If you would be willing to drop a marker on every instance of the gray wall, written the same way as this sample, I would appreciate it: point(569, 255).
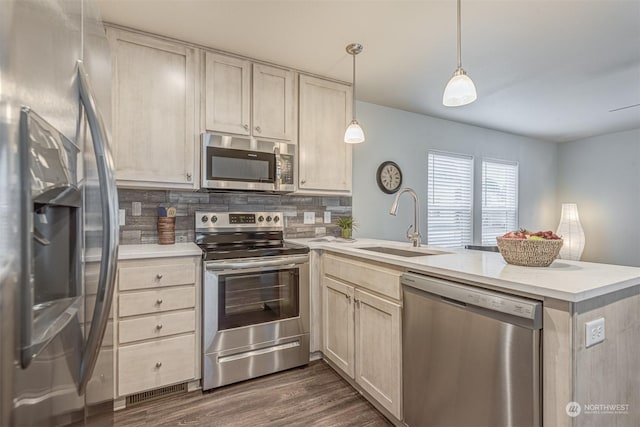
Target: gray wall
point(405, 138)
point(602, 175)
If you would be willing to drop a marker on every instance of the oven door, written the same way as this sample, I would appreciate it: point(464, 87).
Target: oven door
point(237, 163)
point(255, 318)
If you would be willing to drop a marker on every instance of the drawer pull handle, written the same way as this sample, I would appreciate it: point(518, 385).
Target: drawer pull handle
point(159, 276)
point(158, 364)
point(159, 301)
point(159, 326)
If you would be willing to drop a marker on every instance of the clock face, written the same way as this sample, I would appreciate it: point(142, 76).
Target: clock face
point(389, 177)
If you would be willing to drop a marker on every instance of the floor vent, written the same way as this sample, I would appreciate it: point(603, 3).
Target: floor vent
point(147, 396)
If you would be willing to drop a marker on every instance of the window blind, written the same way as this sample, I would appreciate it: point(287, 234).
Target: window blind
point(449, 200)
point(499, 199)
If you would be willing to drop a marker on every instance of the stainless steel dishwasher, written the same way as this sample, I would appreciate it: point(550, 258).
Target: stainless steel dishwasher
point(471, 357)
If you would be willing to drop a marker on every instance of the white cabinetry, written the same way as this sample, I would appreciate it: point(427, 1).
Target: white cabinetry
point(324, 157)
point(362, 331)
point(157, 323)
point(154, 110)
point(262, 107)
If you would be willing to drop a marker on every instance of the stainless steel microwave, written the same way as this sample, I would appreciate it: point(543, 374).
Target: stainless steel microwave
point(243, 163)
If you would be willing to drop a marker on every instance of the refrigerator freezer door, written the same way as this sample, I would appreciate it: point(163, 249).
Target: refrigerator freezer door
point(44, 41)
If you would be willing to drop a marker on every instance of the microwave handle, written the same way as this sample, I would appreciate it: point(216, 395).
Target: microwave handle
point(278, 177)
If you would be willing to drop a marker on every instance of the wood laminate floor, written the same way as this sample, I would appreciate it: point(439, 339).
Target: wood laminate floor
point(310, 396)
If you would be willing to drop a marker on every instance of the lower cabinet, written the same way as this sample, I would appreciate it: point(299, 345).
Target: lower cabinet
point(157, 323)
point(362, 332)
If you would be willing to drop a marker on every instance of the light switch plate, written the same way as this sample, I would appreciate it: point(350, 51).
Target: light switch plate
point(327, 217)
point(595, 332)
point(309, 217)
point(121, 216)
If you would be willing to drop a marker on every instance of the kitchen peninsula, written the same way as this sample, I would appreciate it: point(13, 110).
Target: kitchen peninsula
point(572, 293)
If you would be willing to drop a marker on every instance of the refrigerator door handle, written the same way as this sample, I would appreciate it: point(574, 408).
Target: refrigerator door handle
point(109, 200)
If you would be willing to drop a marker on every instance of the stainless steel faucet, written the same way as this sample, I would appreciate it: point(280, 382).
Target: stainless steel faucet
point(415, 236)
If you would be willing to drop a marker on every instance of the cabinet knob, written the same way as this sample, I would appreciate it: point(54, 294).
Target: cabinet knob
point(159, 276)
point(258, 129)
point(348, 298)
point(159, 326)
point(304, 181)
point(158, 364)
point(159, 301)
point(246, 127)
point(188, 176)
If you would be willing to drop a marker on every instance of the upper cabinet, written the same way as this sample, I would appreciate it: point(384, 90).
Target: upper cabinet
point(234, 103)
point(227, 94)
point(273, 102)
point(325, 159)
point(154, 111)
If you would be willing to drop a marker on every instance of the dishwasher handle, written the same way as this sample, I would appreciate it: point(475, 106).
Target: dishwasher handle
point(463, 295)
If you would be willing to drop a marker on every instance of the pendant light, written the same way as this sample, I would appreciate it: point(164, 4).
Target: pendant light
point(460, 90)
point(354, 133)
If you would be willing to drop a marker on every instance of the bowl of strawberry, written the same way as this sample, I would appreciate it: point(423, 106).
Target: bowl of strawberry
point(529, 249)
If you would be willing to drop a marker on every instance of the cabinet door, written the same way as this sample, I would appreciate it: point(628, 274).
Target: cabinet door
point(154, 111)
point(378, 363)
point(325, 159)
point(338, 324)
point(272, 102)
point(227, 94)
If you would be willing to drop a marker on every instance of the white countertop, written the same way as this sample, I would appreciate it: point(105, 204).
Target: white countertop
point(564, 280)
point(158, 251)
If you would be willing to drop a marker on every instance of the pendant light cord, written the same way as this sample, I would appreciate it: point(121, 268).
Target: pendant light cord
point(353, 98)
point(459, 38)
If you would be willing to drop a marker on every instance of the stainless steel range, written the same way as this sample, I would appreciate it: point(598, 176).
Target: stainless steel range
point(255, 297)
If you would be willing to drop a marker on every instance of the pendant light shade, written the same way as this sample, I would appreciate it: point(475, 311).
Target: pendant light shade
point(460, 90)
point(354, 133)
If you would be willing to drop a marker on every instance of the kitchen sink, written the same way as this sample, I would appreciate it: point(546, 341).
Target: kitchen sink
point(401, 252)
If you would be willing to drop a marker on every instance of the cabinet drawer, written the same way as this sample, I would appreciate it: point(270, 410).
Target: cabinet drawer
point(159, 325)
point(155, 364)
point(369, 276)
point(133, 303)
point(157, 275)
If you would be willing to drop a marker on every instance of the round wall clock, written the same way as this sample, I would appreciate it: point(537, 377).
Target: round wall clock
point(389, 177)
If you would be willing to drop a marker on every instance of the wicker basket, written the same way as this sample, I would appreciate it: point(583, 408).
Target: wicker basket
point(529, 253)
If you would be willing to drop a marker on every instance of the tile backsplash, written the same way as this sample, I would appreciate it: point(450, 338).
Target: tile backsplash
point(141, 211)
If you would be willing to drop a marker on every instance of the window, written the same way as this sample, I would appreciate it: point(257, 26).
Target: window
point(449, 200)
point(499, 199)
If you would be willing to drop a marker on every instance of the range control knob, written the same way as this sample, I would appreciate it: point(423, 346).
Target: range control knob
point(204, 218)
point(260, 218)
point(276, 218)
point(214, 219)
point(268, 219)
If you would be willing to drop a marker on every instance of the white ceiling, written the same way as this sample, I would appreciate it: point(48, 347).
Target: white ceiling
point(546, 69)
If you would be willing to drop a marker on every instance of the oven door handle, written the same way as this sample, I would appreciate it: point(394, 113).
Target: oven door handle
point(243, 265)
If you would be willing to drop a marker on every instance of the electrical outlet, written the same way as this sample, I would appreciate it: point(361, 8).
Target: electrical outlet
point(136, 208)
point(327, 217)
point(121, 216)
point(309, 217)
point(595, 332)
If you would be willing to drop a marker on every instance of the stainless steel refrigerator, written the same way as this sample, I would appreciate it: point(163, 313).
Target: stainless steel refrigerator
point(58, 215)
